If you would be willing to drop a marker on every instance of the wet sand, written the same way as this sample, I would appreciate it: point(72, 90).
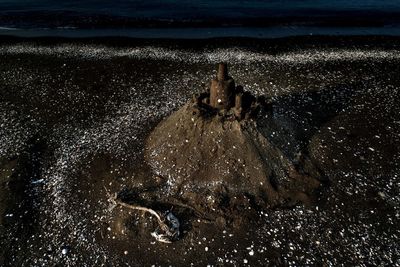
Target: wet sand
point(74, 115)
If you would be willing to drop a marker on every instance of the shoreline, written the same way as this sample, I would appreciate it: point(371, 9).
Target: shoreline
point(378, 40)
point(200, 33)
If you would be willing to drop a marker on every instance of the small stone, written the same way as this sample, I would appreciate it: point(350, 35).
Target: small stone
point(221, 222)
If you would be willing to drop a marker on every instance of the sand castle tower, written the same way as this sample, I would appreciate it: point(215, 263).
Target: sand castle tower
point(224, 97)
point(222, 90)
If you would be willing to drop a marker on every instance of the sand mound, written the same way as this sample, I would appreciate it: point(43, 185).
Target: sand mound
point(211, 147)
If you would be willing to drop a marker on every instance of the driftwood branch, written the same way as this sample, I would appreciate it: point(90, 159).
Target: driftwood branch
point(167, 233)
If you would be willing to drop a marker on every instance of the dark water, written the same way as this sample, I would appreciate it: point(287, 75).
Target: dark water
point(197, 9)
point(346, 17)
point(173, 9)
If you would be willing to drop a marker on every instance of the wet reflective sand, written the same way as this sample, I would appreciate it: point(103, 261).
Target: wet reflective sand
point(74, 117)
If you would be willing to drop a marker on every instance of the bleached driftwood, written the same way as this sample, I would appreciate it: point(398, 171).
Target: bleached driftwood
point(165, 233)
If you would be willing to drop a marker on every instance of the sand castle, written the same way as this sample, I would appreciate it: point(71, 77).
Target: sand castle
point(213, 146)
point(211, 160)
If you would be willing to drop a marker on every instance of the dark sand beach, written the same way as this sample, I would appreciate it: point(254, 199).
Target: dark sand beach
point(75, 115)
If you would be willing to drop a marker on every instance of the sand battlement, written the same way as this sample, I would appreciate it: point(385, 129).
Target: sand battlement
point(228, 98)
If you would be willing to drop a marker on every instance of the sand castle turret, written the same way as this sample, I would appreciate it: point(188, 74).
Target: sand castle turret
point(226, 98)
point(222, 90)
